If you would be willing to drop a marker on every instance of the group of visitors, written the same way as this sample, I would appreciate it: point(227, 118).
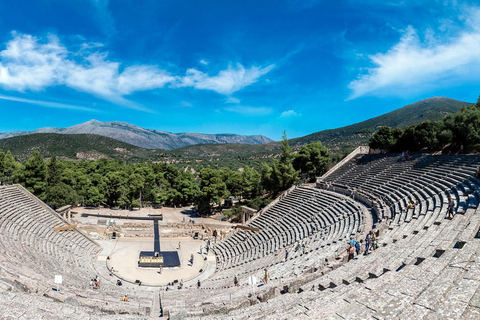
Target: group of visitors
point(300, 247)
point(405, 155)
point(358, 247)
point(412, 205)
point(95, 282)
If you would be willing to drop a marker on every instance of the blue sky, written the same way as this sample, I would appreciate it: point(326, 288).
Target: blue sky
point(247, 67)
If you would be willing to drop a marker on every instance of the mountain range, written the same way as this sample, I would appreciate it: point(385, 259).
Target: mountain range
point(145, 138)
point(341, 140)
point(120, 140)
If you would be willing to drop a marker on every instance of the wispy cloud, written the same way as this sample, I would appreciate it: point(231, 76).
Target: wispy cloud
point(290, 114)
point(226, 81)
point(412, 65)
point(104, 17)
point(250, 111)
point(31, 63)
point(47, 104)
point(232, 100)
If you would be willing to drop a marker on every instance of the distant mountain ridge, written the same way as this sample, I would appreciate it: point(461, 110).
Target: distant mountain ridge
point(146, 138)
point(340, 139)
point(76, 147)
point(343, 139)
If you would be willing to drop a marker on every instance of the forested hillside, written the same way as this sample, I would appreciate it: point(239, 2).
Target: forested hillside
point(116, 183)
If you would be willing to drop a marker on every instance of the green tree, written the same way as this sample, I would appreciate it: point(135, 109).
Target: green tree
point(93, 197)
point(60, 195)
point(10, 170)
point(212, 188)
point(117, 188)
point(281, 175)
point(383, 139)
point(136, 183)
point(312, 159)
point(465, 127)
point(251, 183)
point(35, 175)
point(54, 172)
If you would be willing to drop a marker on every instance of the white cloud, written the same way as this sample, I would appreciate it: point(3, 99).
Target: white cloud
point(47, 104)
point(290, 114)
point(226, 81)
point(250, 111)
point(232, 100)
point(31, 63)
point(204, 62)
point(412, 65)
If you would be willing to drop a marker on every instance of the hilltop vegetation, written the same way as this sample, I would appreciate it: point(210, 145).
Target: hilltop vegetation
point(75, 146)
point(458, 132)
point(342, 140)
point(116, 183)
point(234, 156)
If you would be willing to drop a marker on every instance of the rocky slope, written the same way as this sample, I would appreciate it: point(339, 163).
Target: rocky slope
point(146, 138)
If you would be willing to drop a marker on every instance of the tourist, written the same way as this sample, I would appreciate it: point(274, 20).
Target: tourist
point(367, 243)
point(286, 255)
point(201, 249)
point(357, 247)
point(191, 259)
point(235, 281)
point(179, 245)
point(125, 298)
point(351, 252)
point(450, 207)
point(180, 286)
point(198, 284)
point(160, 270)
point(266, 277)
point(477, 174)
point(119, 283)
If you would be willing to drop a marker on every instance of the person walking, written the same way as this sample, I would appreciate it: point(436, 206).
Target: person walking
point(450, 207)
point(351, 252)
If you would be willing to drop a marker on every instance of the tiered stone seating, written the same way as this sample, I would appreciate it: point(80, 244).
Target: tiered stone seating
point(320, 220)
point(32, 253)
point(298, 216)
point(425, 267)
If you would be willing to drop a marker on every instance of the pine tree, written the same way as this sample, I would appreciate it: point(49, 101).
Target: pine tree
point(54, 172)
point(36, 175)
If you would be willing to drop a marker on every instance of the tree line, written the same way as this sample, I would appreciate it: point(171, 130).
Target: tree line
point(458, 131)
point(114, 183)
